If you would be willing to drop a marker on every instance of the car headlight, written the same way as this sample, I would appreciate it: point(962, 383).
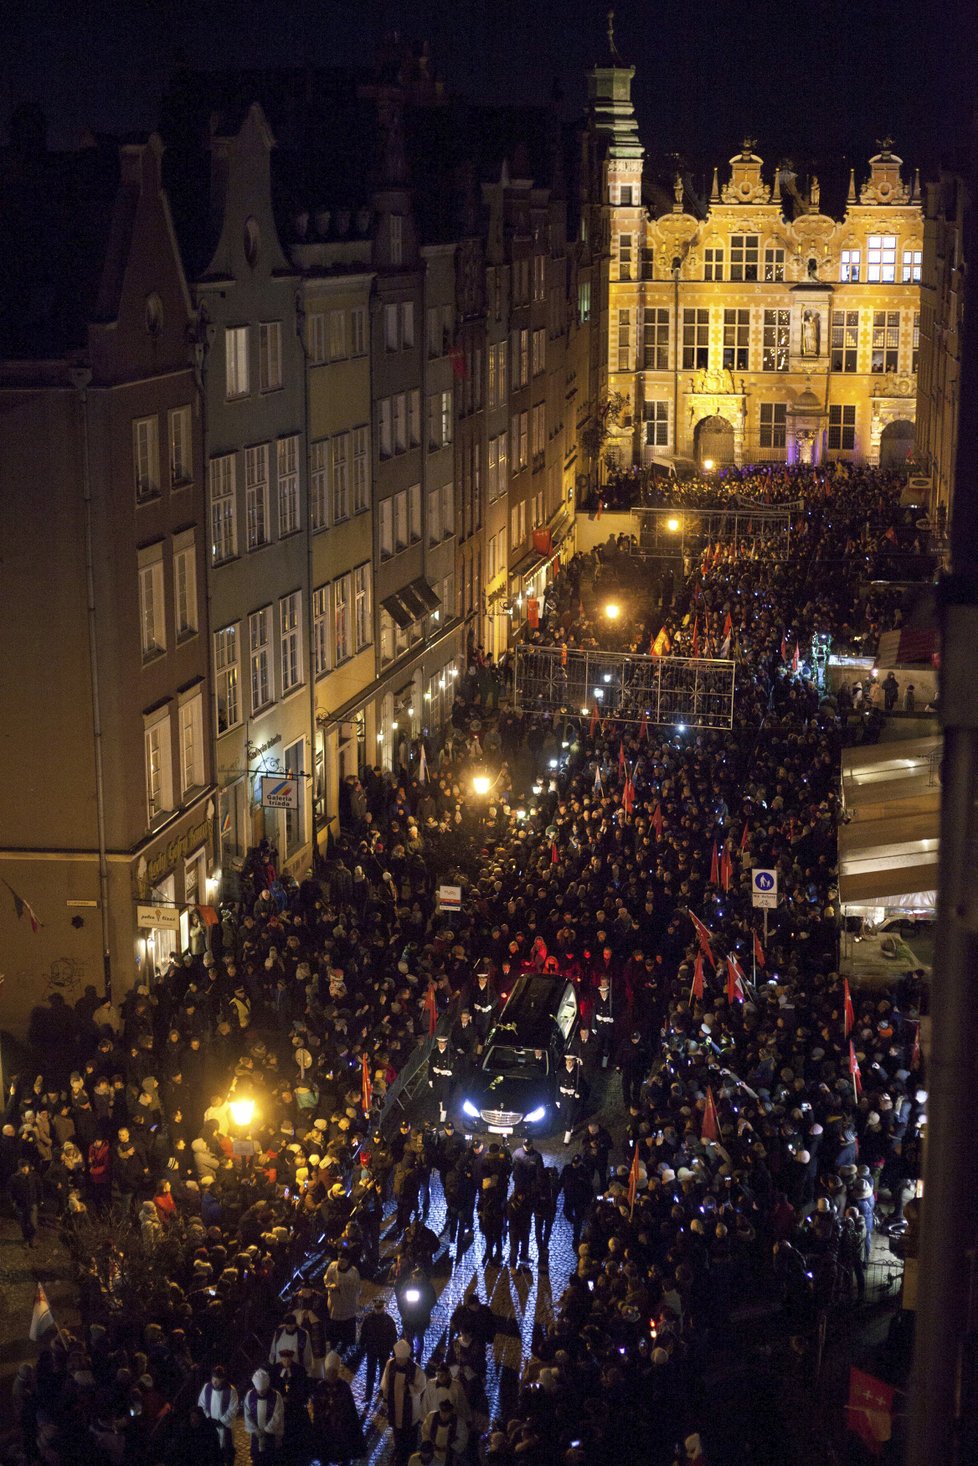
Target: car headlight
point(535, 1115)
point(468, 1108)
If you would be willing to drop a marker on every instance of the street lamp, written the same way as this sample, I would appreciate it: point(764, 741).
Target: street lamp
point(242, 1112)
point(708, 465)
point(672, 525)
point(481, 784)
point(612, 610)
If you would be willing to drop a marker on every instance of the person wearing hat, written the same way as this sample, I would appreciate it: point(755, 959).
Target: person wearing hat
point(571, 1092)
point(441, 1074)
point(378, 1335)
point(264, 1419)
point(603, 1019)
point(291, 1380)
point(402, 1385)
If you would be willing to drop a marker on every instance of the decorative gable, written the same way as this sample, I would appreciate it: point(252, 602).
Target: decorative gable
point(884, 185)
point(746, 185)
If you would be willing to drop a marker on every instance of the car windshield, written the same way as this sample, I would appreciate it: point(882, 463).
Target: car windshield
point(515, 1063)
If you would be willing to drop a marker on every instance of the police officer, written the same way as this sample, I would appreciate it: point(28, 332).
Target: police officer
point(482, 1002)
point(569, 1089)
point(441, 1075)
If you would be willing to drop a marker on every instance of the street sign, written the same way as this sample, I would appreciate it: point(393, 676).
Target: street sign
point(163, 918)
point(764, 888)
point(450, 898)
point(279, 791)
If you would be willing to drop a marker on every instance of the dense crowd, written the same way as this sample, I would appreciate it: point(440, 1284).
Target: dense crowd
point(746, 1164)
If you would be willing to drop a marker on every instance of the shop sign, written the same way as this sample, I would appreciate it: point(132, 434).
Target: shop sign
point(175, 850)
point(160, 918)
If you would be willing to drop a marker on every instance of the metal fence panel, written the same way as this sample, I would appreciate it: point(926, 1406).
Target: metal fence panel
point(694, 692)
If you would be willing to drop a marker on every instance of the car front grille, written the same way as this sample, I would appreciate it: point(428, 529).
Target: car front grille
point(501, 1117)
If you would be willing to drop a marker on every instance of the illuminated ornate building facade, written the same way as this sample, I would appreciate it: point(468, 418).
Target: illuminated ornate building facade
point(755, 327)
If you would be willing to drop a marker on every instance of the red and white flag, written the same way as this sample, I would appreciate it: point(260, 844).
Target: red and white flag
point(704, 937)
point(796, 659)
point(42, 1319)
point(735, 981)
point(848, 1011)
point(759, 957)
point(857, 1078)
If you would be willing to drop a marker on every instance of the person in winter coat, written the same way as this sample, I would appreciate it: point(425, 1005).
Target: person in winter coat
point(264, 1419)
point(24, 1190)
point(415, 1302)
point(378, 1335)
point(337, 1432)
point(342, 1284)
point(402, 1385)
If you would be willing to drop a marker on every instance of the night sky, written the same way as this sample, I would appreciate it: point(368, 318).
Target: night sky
point(816, 79)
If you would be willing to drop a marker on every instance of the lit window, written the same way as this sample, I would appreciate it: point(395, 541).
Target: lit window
point(236, 361)
point(912, 259)
point(845, 341)
point(743, 256)
point(152, 603)
point(226, 677)
point(849, 266)
point(224, 528)
point(776, 341)
point(773, 265)
point(259, 633)
point(886, 341)
point(881, 258)
point(713, 262)
point(656, 418)
point(256, 495)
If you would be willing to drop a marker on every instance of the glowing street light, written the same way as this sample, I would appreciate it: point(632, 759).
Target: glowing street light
point(242, 1112)
point(708, 465)
point(672, 525)
point(481, 784)
point(612, 610)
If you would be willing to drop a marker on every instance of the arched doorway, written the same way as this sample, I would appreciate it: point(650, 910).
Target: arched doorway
point(714, 441)
point(897, 444)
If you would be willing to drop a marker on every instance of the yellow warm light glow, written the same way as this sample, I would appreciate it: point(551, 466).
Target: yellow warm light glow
point(482, 783)
point(708, 465)
point(612, 610)
point(242, 1112)
point(672, 525)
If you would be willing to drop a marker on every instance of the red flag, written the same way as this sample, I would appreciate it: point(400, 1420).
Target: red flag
point(915, 1051)
point(745, 836)
point(563, 655)
point(633, 1180)
point(24, 908)
point(431, 1008)
point(594, 721)
point(849, 1012)
point(726, 869)
point(657, 821)
point(458, 361)
point(857, 1078)
point(727, 624)
point(759, 957)
point(870, 1410)
point(714, 867)
point(784, 650)
point(710, 1129)
point(643, 728)
point(628, 796)
point(795, 659)
point(366, 1087)
point(695, 645)
point(696, 991)
point(621, 755)
point(705, 937)
point(735, 981)
point(554, 857)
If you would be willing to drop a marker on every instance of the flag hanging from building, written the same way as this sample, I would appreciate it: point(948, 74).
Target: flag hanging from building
point(366, 1086)
point(42, 1319)
point(848, 1011)
point(710, 1129)
point(423, 767)
point(870, 1410)
point(431, 1008)
point(633, 1180)
point(226, 824)
point(24, 908)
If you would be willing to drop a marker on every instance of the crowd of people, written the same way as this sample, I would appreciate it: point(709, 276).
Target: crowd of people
point(763, 1127)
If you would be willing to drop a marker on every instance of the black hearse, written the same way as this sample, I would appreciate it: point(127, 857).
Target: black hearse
point(514, 1086)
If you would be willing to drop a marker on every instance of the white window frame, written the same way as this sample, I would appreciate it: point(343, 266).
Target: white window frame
point(256, 496)
point(321, 625)
point(260, 659)
point(881, 259)
point(152, 603)
point(158, 753)
point(912, 261)
point(319, 485)
point(269, 356)
point(434, 516)
point(776, 340)
point(362, 622)
point(358, 331)
point(290, 641)
point(447, 510)
point(316, 337)
point(221, 473)
point(236, 365)
point(386, 528)
point(361, 468)
point(339, 469)
point(400, 521)
point(655, 415)
point(146, 458)
point(287, 454)
point(414, 513)
point(191, 715)
point(773, 264)
point(227, 678)
point(337, 335)
point(185, 585)
point(850, 266)
point(180, 440)
point(342, 641)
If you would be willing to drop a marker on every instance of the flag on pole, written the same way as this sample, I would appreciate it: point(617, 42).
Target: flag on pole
point(725, 648)
point(431, 1008)
point(633, 1181)
point(714, 867)
point(594, 721)
point(710, 1129)
point(727, 624)
point(759, 957)
point(554, 854)
point(695, 644)
point(23, 908)
point(42, 1319)
point(628, 795)
point(735, 981)
point(784, 650)
point(696, 991)
point(870, 1410)
point(704, 936)
point(226, 824)
point(915, 1051)
point(643, 728)
point(726, 869)
point(598, 786)
point(366, 1086)
point(423, 767)
point(745, 836)
point(795, 659)
point(657, 821)
point(621, 755)
point(848, 1011)
point(854, 1070)
point(662, 646)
